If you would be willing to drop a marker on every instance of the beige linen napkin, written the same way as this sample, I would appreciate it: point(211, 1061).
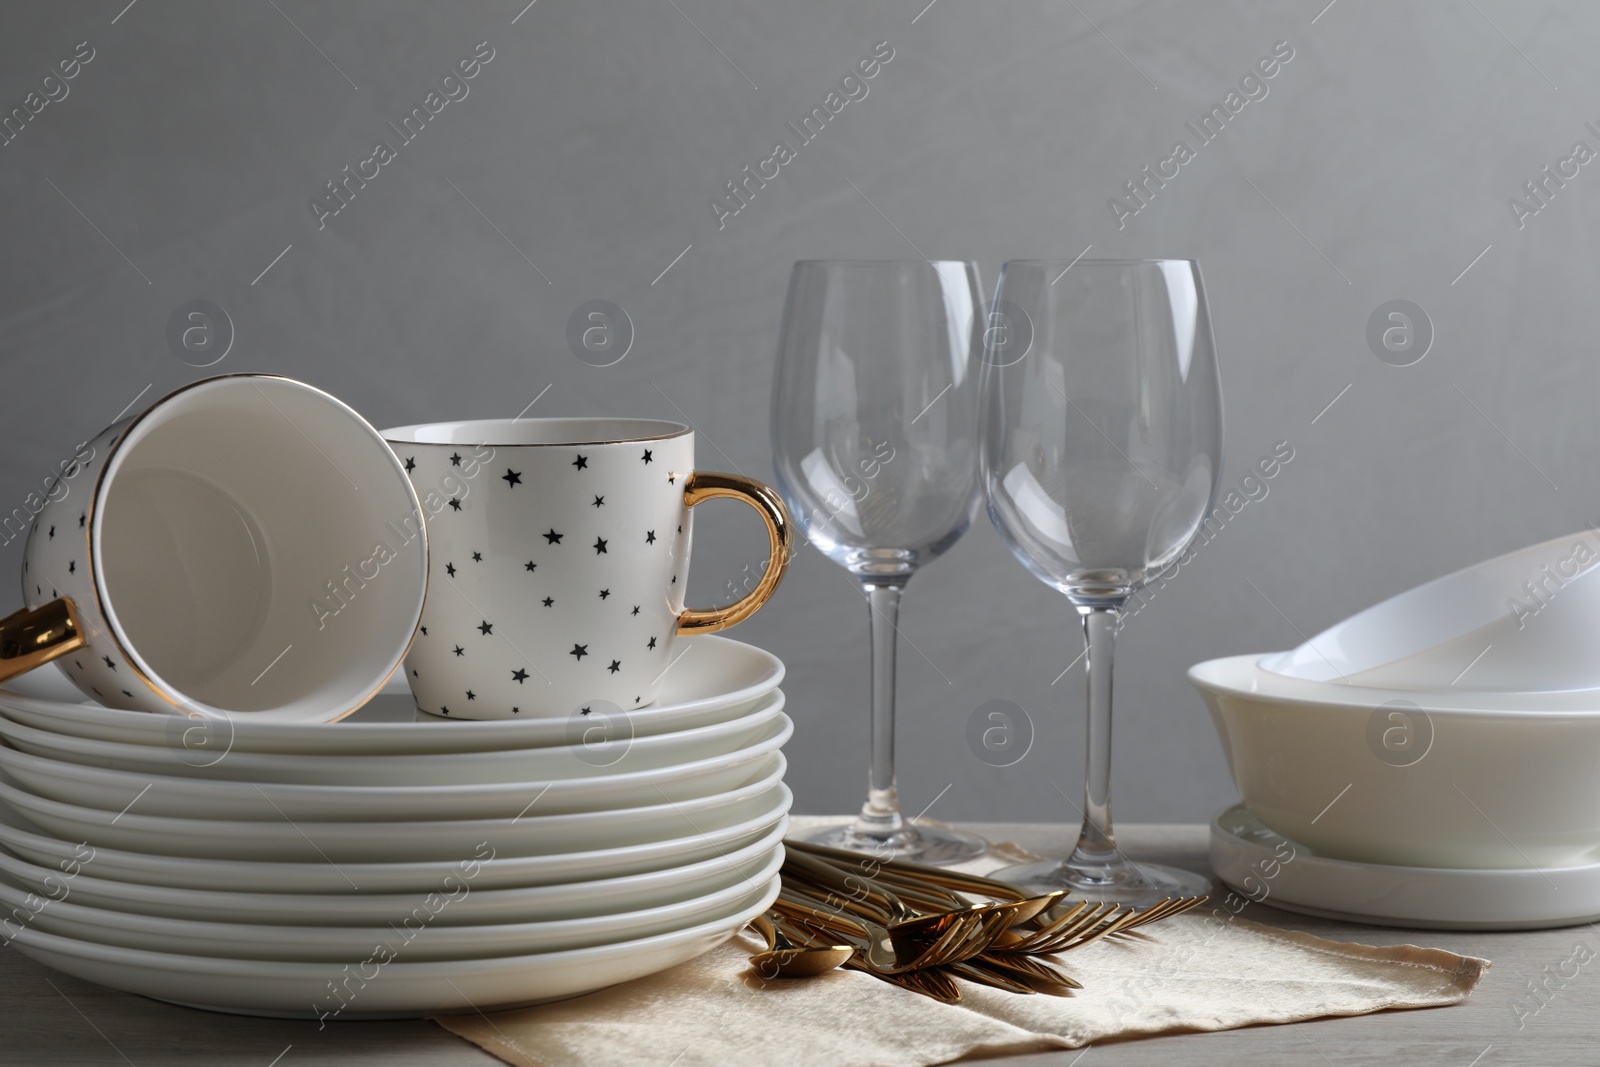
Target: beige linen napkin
point(1206, 970)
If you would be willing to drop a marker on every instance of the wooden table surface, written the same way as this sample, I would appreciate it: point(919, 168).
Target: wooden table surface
point(47, 1018)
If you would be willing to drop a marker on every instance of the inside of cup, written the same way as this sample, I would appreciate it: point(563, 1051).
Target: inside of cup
point(259, 547)
point(536, 432)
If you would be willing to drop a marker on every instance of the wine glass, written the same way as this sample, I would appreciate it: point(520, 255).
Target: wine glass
point(874, 437)
point(1101, 443)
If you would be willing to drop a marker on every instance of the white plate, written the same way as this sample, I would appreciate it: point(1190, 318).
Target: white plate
point(1273, 870)
point(152, 794)
point(392, 842)
point(31, 843)
point(598, 747)
point(712, 679)
point(503, 885)
point(373, 988)
point(416, 936)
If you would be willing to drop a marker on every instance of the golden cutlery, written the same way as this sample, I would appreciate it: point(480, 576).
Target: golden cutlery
point(784, 959)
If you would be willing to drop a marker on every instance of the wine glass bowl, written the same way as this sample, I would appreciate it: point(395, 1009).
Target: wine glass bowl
point(1100, 456)
point(875, 444)
point(1100, 453)
point(870, 352)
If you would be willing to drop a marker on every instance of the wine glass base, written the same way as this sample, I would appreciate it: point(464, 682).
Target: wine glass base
point(1139, 886)
point(929, 845)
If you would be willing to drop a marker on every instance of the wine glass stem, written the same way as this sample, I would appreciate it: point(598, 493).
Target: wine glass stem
point(880, 815)
point(1096, 846)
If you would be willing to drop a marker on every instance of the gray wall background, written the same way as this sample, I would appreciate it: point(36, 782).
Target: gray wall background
point(1377, 168)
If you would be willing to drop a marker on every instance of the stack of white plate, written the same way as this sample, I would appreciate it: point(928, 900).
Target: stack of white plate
point(391, 864)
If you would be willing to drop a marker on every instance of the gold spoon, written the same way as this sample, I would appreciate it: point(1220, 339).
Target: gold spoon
point(966, 936)
point(909, 931)
point(784, 959)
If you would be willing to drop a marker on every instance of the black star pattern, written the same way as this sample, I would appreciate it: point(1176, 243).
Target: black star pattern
point(97, 692)
point(455, 460)
point(486, 628)
point(599, 501)
point(72, 568)
point(424, 631)
point(450, 569)
point(585, 711)
point(444, 710)
point(580, 651)
point(674, 579)
point(455, 503)
point(637, 699)
point(635, 610)
point(460, 651)
point(52, 532)
point(516, 711)
point(652, 643)
point(647, 455)
point(471, 695)
point(616, 665)
point(680, 529)
point(411, 464)
point(530, 566)
point(582, 462)
point(82, 519)
point(413, 672)
point(79, 664)
point(127, 694)
point(110, 664)
point(650, 537)
point(672, 479)
point(600, 546)
point(511, 477)
point(552, 537)
point(604, 593)
point(477, 557)
point(547, 601)
point(519, 676)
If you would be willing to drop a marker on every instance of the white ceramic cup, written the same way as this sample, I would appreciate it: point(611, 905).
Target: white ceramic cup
point(247, 543)
point(560, 553)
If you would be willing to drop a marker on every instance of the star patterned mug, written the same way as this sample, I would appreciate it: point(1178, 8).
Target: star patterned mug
point(220, 552)
point(560, 552)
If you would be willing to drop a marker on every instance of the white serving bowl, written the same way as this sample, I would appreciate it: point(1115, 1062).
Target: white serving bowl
point(415, 936)
point(396, 988)
point(596, 748)
point(199, 800)
point(714, 680)
point(1521, 622)
point(568, 885)
point(443, 839)
point(1381, 776)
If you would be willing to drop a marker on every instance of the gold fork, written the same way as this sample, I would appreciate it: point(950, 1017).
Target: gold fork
point(1087, 922)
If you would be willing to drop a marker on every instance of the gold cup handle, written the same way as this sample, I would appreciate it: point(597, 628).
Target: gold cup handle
point(33, 636)
point(702, 486)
